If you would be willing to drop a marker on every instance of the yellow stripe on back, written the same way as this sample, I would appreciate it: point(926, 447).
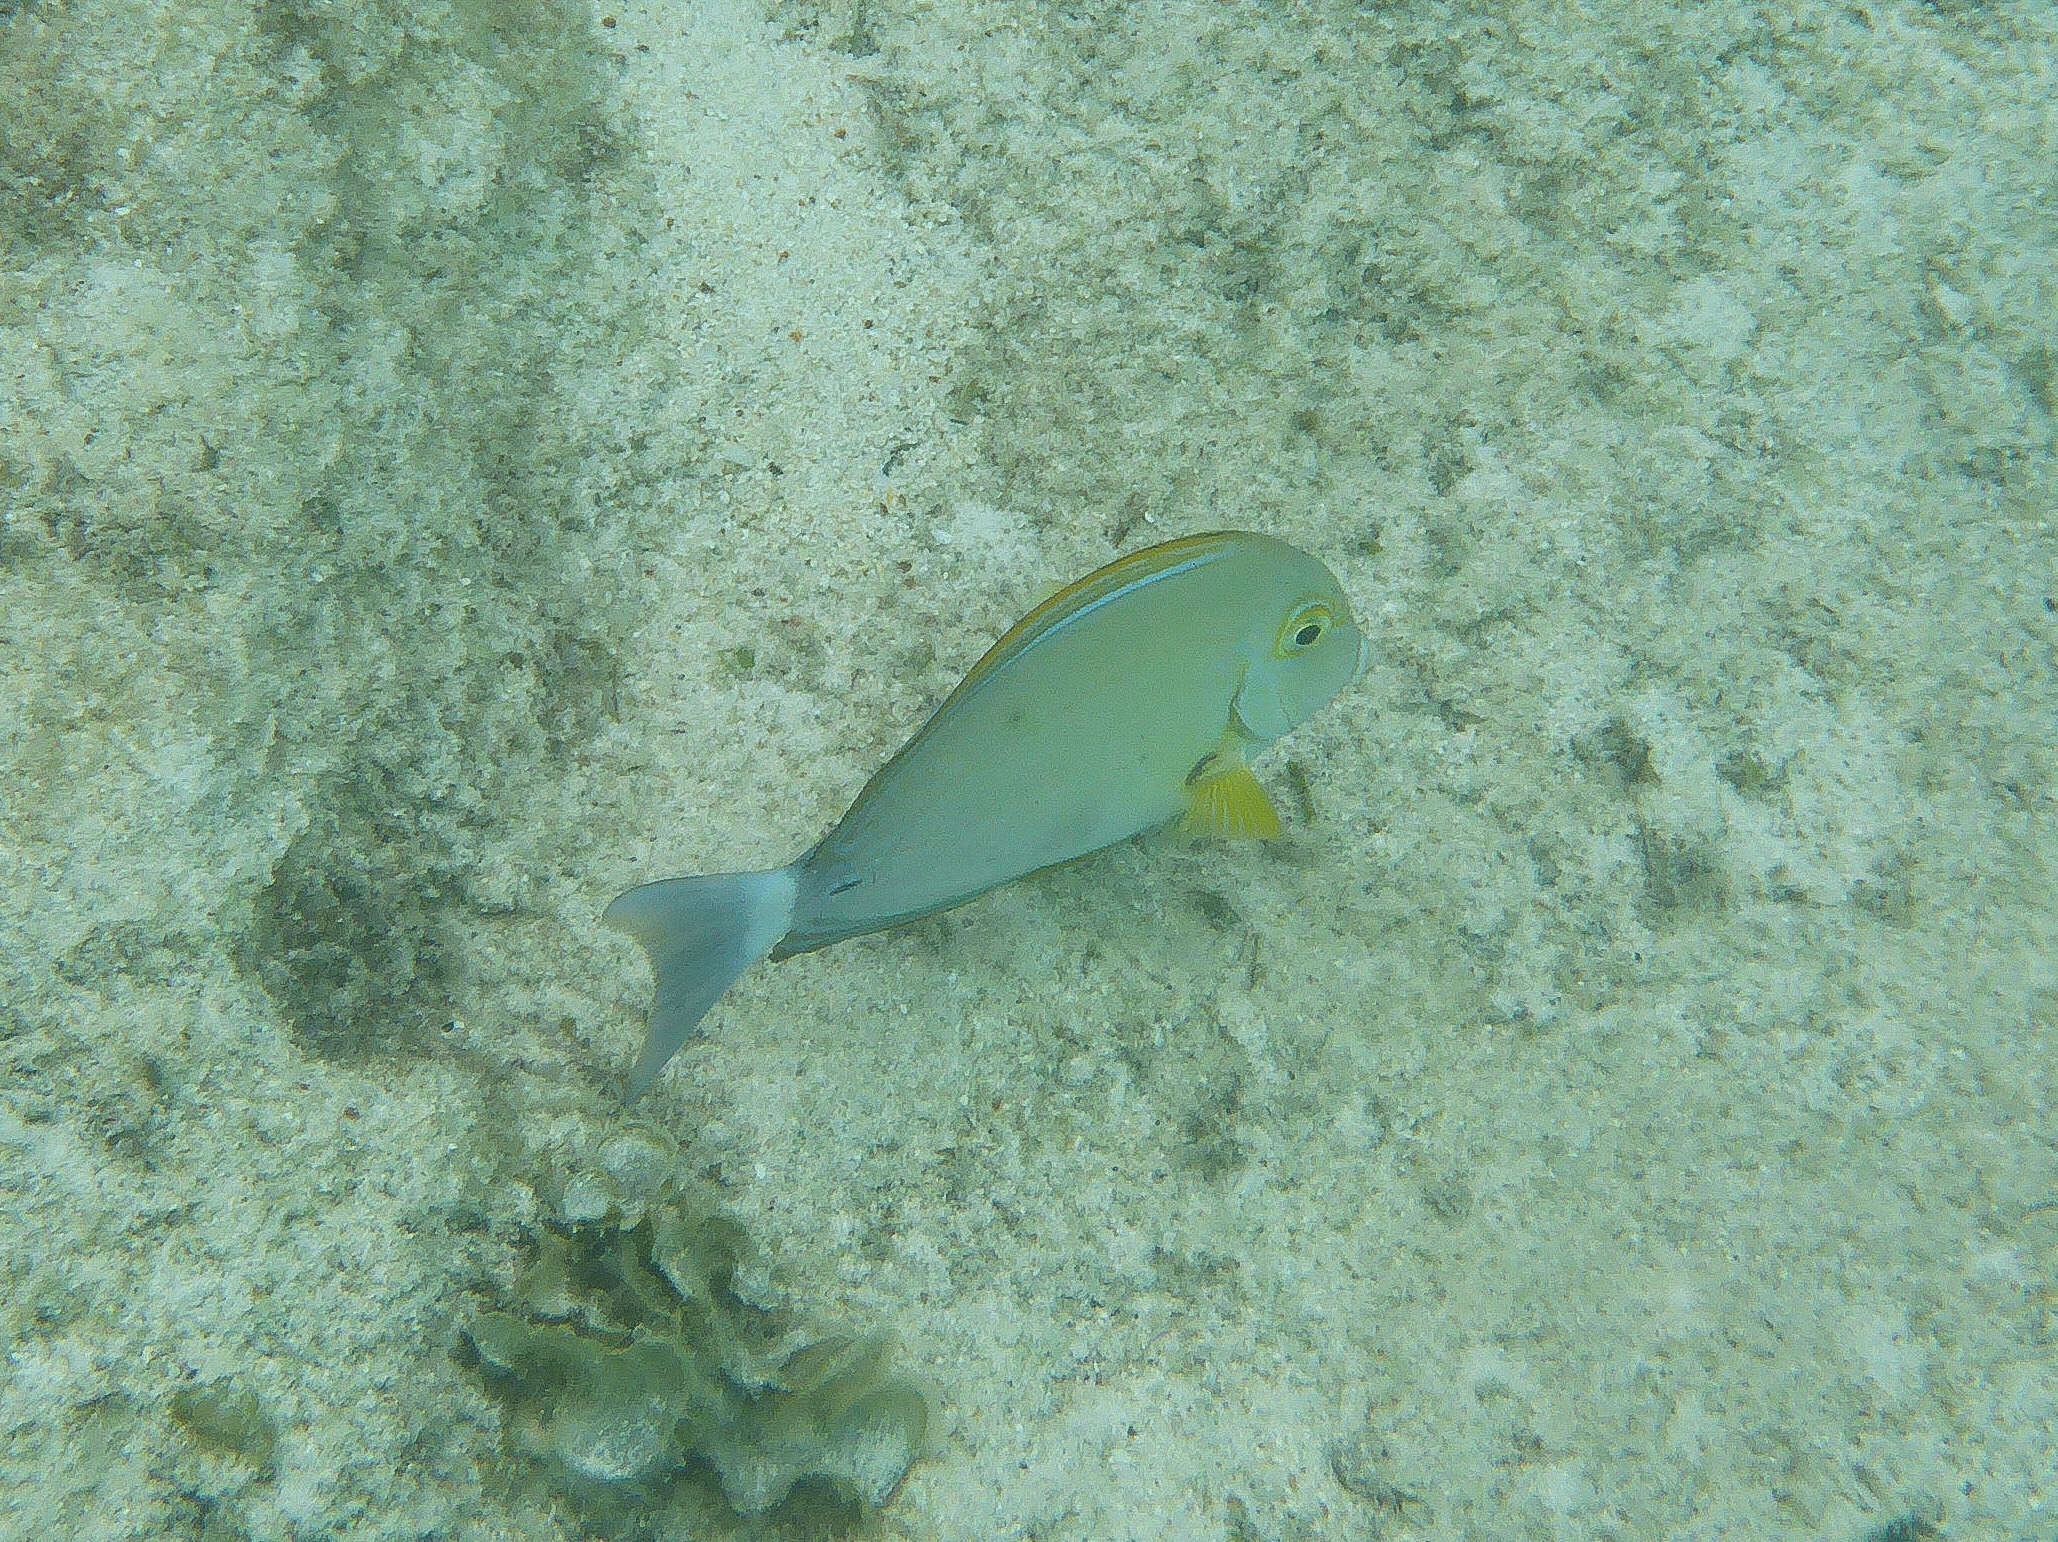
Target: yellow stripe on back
point(1068, 605)
point(1088, 594)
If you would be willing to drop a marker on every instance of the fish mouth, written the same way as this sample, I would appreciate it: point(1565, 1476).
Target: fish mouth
point(1364, 658)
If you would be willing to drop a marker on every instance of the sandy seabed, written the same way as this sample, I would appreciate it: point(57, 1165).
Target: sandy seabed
point(458, 460)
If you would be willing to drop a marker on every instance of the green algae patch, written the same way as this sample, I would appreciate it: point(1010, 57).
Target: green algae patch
point(226, 1417)
point(629, 1355)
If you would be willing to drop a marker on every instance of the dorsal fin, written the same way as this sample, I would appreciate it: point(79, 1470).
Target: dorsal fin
point(1089, 594)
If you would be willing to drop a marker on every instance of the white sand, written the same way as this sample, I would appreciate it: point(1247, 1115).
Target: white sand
point(1625, 1111)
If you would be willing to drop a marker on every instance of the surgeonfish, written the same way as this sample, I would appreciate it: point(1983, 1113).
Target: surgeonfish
point(1129, 699)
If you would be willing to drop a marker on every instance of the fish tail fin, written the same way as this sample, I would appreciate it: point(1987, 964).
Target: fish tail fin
point(701, 934)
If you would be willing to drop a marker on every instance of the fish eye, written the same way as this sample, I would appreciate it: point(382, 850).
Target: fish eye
point(1303, 629)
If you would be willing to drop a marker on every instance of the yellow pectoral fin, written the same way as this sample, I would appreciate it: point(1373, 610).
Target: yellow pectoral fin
point(1227, 800)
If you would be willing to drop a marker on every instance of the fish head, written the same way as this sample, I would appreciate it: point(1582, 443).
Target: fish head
point(1305, 650)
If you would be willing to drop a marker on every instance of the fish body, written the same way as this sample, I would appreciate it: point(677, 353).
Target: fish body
point(1126, 700)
